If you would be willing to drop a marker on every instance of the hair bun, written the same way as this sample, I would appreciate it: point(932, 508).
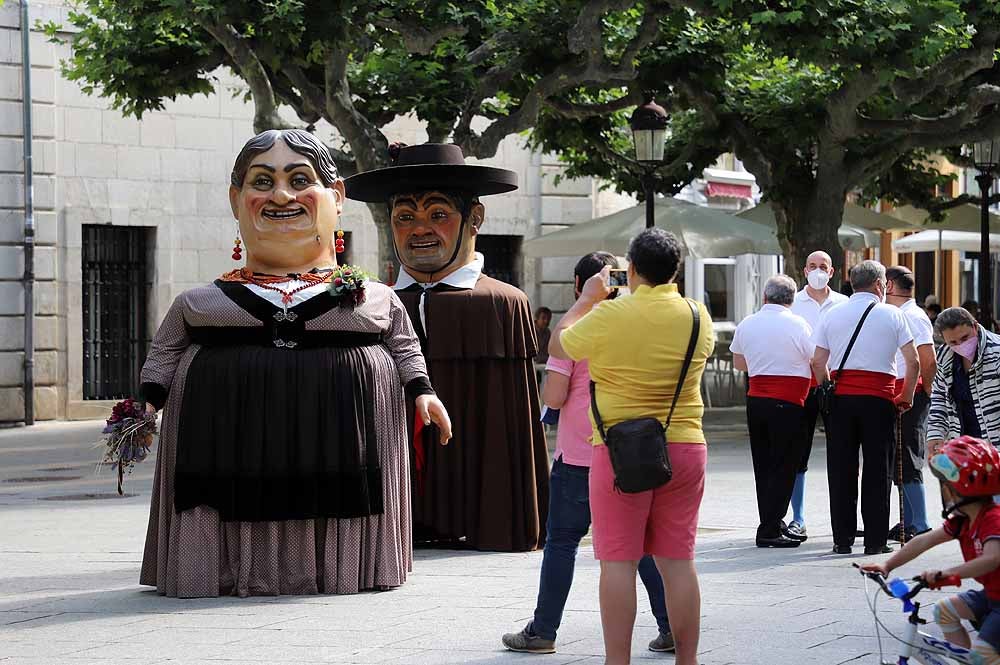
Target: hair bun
point(394, 149)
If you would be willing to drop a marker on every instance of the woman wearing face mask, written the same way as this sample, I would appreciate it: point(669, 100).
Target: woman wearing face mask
point(966, 395)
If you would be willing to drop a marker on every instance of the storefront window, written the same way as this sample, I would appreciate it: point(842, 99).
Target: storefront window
point(720, 288)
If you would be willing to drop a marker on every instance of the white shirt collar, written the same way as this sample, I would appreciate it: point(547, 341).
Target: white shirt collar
point(773, 307)
point(863, 295)
point(463, 278)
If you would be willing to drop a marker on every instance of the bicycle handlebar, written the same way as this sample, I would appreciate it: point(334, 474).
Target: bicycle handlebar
point(897, 588)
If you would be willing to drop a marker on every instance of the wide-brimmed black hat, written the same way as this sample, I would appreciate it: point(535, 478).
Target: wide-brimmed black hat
point(428, 166)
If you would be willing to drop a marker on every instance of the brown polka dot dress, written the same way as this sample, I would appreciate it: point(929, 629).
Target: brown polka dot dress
point(282, 465)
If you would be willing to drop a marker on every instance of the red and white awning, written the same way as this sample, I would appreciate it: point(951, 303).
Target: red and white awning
point(728, 190)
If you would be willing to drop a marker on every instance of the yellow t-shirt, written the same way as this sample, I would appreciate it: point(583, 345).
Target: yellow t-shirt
point(635, 345)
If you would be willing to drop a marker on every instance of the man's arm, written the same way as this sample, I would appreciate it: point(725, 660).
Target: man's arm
point(740, 362)
point(819, 363)
point(912, 370)
point(555, 390)
point(928, 366)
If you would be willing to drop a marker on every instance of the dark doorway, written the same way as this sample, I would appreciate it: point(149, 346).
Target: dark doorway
point(116, 282)
point(503, 257)
point(923, 275)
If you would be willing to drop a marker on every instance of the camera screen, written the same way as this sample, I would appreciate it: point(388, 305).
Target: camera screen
point(618, 279)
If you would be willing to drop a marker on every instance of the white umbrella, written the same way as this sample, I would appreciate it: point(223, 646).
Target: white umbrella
point(704, 232)
point(932, 241)
point(859, 226)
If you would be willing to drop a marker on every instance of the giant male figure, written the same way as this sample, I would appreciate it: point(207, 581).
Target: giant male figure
point(489, 489)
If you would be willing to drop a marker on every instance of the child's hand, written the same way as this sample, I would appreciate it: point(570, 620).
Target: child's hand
point(879, 568)
point(931, 576)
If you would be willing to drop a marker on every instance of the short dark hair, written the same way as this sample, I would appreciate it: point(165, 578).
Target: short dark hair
point(954, 317)
point(543, 310)
point(655, 255)
point(298, 141)
point(934, 307)
point(590, 265)
point(970, 305)
point(901, 276)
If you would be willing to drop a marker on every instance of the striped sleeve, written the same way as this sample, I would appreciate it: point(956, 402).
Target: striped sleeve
point(941, 404)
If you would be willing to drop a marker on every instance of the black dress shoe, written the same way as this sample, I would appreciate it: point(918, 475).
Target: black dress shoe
point(841, 549)
point(795, 531)
point(777, 541)
point(885, 549)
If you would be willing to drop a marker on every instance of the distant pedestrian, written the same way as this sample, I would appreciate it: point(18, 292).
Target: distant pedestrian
point(863, 413)
point(811, 303)
point(966, 395)
point(774, 347)
point(543, 317)
point(913, 423)
point(567, 388)
point(636, 346)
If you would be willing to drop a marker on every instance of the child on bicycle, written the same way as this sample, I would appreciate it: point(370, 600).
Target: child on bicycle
point(969, 471)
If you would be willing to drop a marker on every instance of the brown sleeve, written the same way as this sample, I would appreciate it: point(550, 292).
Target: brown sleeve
point(405, 347)
point(169, 344)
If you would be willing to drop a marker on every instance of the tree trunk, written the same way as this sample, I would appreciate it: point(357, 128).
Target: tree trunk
point(388, 267)
point(806, 225)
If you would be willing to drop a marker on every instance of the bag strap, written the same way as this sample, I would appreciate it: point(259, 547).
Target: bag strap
point(854, 338)
point(688, 357)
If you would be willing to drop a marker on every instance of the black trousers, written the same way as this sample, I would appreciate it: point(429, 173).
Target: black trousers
point(811, 414)
point(865, 423)
point(914, 428)
point(777, 431)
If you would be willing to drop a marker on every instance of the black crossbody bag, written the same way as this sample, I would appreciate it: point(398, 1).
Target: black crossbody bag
point(638, 447)
point(824, 393)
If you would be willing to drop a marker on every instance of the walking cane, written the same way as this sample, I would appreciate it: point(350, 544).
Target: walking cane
point(899, 476)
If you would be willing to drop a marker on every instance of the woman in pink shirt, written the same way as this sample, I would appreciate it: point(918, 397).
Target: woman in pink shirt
point(567, 388)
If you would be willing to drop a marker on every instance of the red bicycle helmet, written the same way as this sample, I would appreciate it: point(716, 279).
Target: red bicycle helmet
point(970, 466)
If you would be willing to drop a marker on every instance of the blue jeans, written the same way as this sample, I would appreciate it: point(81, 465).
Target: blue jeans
point(568, 523)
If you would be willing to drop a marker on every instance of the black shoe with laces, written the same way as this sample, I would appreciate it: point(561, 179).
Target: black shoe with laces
point(884, 549)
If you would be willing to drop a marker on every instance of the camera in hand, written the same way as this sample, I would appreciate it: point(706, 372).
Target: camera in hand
point(617, 278)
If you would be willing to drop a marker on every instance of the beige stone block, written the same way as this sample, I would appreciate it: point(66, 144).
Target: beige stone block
point(186, 264)
point(86, 192)
point(47, 333)
point(11, 225)
point(73, 267)
point(558, 269)
point(137, 163)
point(157, 130)
point(10, 82)
point(43, 52)
point(10, 47)
point(10, 118)
point(43, 121)
point(90, 409)
point(82, 125)
point(213, 201)
point(212, 263)
point(43, 84)
point(11, 265)
point(204, 133)
point(10, 16)
point(215, 168)
point(129, 193)
point(119, 130)
point(565, 187)
point(44, 156)
point(557, 297)
point(11, 333)
point(70, 94)
point(11, 154)
point(11, 368)
point(46, 298)
point(46, 368)
point(185, 198)
point(11, 399)
point(96, 160)
point(66, 159)
point(180, 165)
point(46, 228)
point(200, 105)
point(48, 402)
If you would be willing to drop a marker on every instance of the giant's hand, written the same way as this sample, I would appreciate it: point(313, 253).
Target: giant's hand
point(430, 409)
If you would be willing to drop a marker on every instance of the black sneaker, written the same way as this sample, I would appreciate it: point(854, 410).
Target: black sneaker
point(525, 642)
point(885, 549)
point(663, 643)
point(777, 541)
point(841, 549)
point(796, 531)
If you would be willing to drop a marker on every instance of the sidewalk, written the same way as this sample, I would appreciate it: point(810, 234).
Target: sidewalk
point(70, 550)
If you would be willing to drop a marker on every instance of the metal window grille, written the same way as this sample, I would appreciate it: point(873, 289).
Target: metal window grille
point(503, 257)
point(115, 288)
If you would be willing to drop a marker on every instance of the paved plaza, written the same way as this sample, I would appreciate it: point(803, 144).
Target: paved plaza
point(70, 550)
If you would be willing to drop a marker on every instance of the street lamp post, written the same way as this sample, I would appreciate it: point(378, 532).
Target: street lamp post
point(649, 129)
point(986, 156)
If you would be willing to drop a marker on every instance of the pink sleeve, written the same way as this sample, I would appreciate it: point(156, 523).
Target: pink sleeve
point(559, 366)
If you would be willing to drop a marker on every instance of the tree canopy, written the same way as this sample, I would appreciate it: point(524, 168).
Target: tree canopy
point(817, 97)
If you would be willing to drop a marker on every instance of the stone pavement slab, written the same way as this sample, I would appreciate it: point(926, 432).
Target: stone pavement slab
point(70, 550)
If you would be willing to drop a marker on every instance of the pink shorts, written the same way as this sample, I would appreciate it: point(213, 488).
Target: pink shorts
point(662, 522)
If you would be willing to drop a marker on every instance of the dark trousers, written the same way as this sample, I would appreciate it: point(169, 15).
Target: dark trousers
point(568, 523)
point(811, 414)
point(777, 430)
point(860, 422)
point(914, 431)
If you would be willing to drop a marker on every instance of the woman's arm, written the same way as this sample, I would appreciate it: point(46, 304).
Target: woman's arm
point(403, 345)
point(937, 414)
point(555, 389)
point(169, 344)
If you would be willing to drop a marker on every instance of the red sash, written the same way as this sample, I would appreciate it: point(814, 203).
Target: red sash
point(863, 382)
point(792, 389)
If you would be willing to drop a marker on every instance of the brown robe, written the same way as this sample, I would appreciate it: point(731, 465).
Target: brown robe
point(490, 485)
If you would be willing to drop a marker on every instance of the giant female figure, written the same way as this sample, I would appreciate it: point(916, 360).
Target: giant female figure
point(282, 463)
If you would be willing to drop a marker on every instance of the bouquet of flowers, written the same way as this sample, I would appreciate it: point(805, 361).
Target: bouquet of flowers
point(347, 285)
point(128, 437)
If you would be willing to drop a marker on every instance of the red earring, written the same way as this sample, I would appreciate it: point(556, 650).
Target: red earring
point(339, 242)
point(237, 249)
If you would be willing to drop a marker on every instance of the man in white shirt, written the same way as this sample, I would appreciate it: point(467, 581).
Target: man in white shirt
point(811, 303)
point(913, 423)
point(863, 414)
point(774, 347)
point(489, 489)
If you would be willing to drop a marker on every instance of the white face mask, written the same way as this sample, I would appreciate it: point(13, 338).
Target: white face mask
point(818, 279)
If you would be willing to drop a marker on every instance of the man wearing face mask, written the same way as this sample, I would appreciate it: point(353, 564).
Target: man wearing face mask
point(865, 402)
point(489, 490)
point(966, 394)
point(913, 423)
point(811, 303)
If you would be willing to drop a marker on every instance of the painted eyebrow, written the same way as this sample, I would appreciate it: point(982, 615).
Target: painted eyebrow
point(292, 167)
point(407, 200)
point(266, 167)
point(436, 199)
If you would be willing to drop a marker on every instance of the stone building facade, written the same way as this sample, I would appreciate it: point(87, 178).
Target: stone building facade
point(130, 213)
